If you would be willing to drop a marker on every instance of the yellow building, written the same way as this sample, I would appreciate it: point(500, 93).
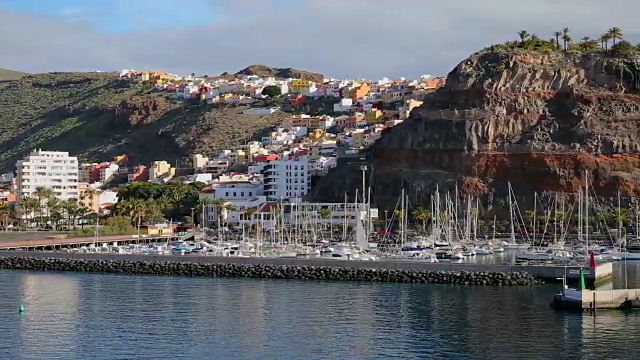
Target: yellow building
point(409, 105)
point(316, 134)
point(160, 229)
point(226, 96)
point(161, 169)
point(374, 116)
point(88, 198)
point(358, 138)
point(298, 85)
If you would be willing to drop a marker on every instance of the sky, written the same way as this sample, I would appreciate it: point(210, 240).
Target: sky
point(338, 38)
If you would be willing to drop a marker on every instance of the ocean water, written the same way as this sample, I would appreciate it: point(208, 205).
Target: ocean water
point(86, 316)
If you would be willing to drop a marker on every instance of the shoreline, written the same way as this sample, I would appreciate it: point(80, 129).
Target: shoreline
point(363, 271)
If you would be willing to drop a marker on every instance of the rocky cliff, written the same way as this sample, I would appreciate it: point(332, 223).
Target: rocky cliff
point(539, 121)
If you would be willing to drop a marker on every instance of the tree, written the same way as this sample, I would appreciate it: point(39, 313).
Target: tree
point(566, 38)
point(53, 205)
point(5, 213)
point(614, 33)
point(604, 41)
point(423, 215)
point(523, 35)
point(557, 35)
point(248, 214)
point(272, 91)
point(42, 194)
point(587, 44)
point(72, 210)
point(622, 48)
point(29, 205)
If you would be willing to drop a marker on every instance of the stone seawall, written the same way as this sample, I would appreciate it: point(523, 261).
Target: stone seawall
point(265, 271)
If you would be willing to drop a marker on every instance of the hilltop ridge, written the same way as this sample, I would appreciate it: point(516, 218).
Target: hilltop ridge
point(10, 74)
point(283, 73)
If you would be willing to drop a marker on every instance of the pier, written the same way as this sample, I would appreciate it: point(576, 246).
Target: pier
point(548, 273)
point(592, 300)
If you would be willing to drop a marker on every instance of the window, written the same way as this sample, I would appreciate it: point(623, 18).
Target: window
point(242, 193)
point(234, 193)
point(250, 193)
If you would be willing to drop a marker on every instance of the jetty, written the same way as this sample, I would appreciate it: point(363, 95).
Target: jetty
point(547, 272)
point(592, 300)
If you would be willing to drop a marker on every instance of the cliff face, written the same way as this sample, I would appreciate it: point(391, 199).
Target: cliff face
point(537, 121)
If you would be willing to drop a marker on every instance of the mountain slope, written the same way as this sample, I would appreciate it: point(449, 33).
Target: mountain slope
point(10, 74)
point(97, 116)
point(283, 73)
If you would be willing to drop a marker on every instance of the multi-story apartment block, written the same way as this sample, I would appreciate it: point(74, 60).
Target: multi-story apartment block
point(55, 170)
point(287, 179)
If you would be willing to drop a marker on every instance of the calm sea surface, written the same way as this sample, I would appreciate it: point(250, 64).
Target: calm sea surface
point(83, 316)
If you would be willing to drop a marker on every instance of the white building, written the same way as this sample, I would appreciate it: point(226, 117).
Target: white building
point(287, 179)
point(55, 170)
point(343, 106)
point(108, 172)
point(238, 196)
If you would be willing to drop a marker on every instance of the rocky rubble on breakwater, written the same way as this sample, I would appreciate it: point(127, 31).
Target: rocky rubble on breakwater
point(269, 271)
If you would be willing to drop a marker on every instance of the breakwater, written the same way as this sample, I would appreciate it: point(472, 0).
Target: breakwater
point(266, 271)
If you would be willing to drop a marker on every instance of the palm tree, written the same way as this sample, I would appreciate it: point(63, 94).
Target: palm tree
point(29, 205)
point(604, 41)
point(567, 40)
point(523, 35)
point(615, 33)
point(53, 205)
point(5, 212)
point(43, 194)
point(248, 214)
point(422, 215)
point(557, 34)
point(72, 208)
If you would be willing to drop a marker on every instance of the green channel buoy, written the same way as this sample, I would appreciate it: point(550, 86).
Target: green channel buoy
point(21, 309)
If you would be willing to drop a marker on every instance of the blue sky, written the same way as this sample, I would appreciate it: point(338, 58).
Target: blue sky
point(122, 16)
point(338, 38)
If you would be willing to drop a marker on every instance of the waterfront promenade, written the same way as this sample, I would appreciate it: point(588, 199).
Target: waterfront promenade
point(35, 240)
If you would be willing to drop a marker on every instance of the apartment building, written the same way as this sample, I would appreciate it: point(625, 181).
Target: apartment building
point(56, 170)
point(285, 179)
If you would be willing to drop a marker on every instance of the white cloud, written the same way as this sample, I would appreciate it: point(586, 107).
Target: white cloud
point(340, 38)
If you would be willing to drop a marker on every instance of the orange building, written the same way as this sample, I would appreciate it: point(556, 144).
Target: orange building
point(359, 92)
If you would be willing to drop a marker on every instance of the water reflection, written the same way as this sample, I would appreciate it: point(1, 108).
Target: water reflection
point(51, 319)
point(78, 316)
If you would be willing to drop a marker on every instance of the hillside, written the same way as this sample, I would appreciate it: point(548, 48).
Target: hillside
point(10, 74)
point(97, 116)
point(282, 73)
point(539, 121)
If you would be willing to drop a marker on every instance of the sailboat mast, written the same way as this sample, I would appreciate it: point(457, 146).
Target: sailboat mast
point(535, 210)
point(513, 231)
point(402, 214)
point(586, 211)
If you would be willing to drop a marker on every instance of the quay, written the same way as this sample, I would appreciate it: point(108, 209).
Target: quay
point(58, 241)
point(592, 300)
point(548, 273)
